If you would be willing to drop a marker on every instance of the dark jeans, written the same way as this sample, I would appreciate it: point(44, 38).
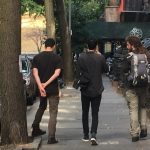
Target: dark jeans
point(95, 104)
point(40, 112)
point(53, 110)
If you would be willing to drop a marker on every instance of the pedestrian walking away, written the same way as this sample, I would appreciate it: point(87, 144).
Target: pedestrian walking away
point(46, 69)
point(136, 83)
point(90, 67)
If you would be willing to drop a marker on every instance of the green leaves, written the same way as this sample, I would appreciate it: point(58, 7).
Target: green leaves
point(83, 12)
point(31, 7)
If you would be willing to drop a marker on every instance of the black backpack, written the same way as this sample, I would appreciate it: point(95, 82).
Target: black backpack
point(139, 74)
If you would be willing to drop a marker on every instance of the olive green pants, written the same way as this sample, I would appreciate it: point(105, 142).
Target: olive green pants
point(137, 112)
point(53, 110)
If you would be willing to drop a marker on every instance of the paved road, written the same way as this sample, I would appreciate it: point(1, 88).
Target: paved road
point(113, 131)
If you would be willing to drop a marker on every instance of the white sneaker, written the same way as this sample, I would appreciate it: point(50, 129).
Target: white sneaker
point(85, 138)
point(93, 141)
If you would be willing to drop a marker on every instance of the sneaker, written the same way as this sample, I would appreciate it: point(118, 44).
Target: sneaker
point(52, 141)
point(37, 132)
point(143, 133)
point(85, 138)
point(135, 139)
point(93, 141)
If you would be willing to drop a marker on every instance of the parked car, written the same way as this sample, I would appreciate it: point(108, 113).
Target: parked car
point(30, 85)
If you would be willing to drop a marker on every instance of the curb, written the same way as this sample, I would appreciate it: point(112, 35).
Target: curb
point(31, 146)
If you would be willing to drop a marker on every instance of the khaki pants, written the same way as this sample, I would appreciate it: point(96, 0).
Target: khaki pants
point(53, 110)
point(137, 112)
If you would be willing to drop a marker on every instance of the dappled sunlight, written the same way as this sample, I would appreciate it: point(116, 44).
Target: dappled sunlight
point(72, 107)
point(46, 117)
point(70, 100)
point(63, 111)
point(42, 124)
point(109, 143)
point(68, 110)
point(66, 118)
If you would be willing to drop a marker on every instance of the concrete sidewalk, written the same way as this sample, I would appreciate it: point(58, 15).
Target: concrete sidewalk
point(113, 131)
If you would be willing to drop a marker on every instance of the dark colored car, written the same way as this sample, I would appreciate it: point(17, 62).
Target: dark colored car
point(30, 85)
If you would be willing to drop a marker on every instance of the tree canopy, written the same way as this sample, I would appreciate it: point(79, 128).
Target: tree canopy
point(32, 7)
point(82, 12)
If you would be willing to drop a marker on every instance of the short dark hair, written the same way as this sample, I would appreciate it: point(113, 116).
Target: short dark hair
point(49, 42)
point(92, 43)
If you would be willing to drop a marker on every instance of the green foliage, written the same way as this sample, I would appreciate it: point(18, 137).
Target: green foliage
point(90, 11)
point(31, 7)
point(83, 12)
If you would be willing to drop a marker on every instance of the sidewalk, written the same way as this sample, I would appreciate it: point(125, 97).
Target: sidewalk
point(113, 130)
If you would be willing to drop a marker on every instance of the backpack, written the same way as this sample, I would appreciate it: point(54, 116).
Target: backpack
point(139, 74)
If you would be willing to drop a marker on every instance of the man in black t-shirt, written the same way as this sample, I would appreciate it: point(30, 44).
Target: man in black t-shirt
point(46, 68)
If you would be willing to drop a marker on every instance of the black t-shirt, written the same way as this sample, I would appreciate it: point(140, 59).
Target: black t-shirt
point(47, 62)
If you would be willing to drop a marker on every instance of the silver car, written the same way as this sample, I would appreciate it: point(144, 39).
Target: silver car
point(30, 85)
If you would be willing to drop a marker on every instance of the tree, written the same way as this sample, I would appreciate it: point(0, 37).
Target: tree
point(32, 7)
point(50, 19)
point(13, 120)
point(83, 12)
point(66, 42)
point(38, 37)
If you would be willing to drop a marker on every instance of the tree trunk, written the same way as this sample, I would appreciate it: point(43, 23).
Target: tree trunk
point(50, 20)
point(66, 41)
point(13, 121)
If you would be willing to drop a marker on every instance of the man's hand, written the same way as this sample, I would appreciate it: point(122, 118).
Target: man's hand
point(44, 85)
point(42, 91)
point(38, 81)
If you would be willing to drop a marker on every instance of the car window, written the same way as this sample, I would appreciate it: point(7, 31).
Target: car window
point(25, 67)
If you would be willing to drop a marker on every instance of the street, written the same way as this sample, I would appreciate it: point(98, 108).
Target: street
point(113, 130)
